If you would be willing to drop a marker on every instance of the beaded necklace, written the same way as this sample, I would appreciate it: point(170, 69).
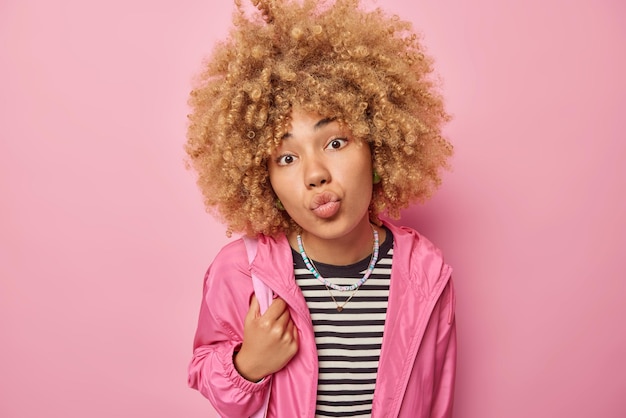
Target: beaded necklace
point(354, 286)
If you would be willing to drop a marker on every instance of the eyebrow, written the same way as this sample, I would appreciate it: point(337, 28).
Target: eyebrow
point(323, 122)
point(319, 125)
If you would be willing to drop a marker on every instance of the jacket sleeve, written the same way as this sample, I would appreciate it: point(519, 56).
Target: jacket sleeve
point(226, 295)
point(445, 356)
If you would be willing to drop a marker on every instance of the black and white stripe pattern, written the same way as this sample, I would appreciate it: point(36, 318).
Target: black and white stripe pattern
point(348, 342)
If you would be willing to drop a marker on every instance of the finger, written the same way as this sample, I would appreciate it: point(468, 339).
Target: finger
point(294, 333)
point(254, 311)
point(284, 319)
point(290, 327)
point(276, 309)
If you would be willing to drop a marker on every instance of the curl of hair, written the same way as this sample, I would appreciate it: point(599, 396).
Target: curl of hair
point(364, 68)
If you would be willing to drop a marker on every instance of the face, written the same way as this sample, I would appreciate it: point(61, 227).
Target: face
point(323, 177)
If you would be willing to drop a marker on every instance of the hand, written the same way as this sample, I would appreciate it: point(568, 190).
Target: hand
point(269, 341)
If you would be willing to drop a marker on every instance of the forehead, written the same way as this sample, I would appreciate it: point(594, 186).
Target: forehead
point(308, 126)
point(302, 124)
point(308, 122)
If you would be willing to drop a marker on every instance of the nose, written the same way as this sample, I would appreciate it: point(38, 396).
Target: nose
point(316, 174)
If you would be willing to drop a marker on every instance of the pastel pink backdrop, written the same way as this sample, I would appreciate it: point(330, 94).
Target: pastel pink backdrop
point(104, 241)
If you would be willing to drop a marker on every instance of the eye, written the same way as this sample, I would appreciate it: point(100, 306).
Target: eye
point(337, 143)
point(285, 159)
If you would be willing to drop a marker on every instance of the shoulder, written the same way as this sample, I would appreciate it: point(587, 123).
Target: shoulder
point(232, 259)
point(418, 258)
point(411, 242)
point(231, 256)
point(229, 270)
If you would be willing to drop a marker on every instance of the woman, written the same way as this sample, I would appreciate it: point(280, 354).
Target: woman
point(309, 122)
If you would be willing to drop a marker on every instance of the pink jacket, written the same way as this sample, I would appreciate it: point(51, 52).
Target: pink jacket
point(418, 356)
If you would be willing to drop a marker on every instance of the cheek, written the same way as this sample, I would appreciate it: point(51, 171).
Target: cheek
point(359, 178)
point(273, 177)
point(279, 183)
point(366, 178)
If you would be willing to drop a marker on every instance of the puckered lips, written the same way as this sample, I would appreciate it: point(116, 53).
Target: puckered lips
point(325, 205)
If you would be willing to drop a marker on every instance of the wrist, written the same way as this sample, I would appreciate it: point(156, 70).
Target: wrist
point(245, 369)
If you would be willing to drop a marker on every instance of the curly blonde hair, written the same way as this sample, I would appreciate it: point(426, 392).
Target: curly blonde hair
point(367, 70)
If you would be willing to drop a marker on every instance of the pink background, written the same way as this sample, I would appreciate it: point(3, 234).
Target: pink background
point(104, 241)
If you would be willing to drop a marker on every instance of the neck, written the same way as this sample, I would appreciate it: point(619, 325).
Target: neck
point(347, 249)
